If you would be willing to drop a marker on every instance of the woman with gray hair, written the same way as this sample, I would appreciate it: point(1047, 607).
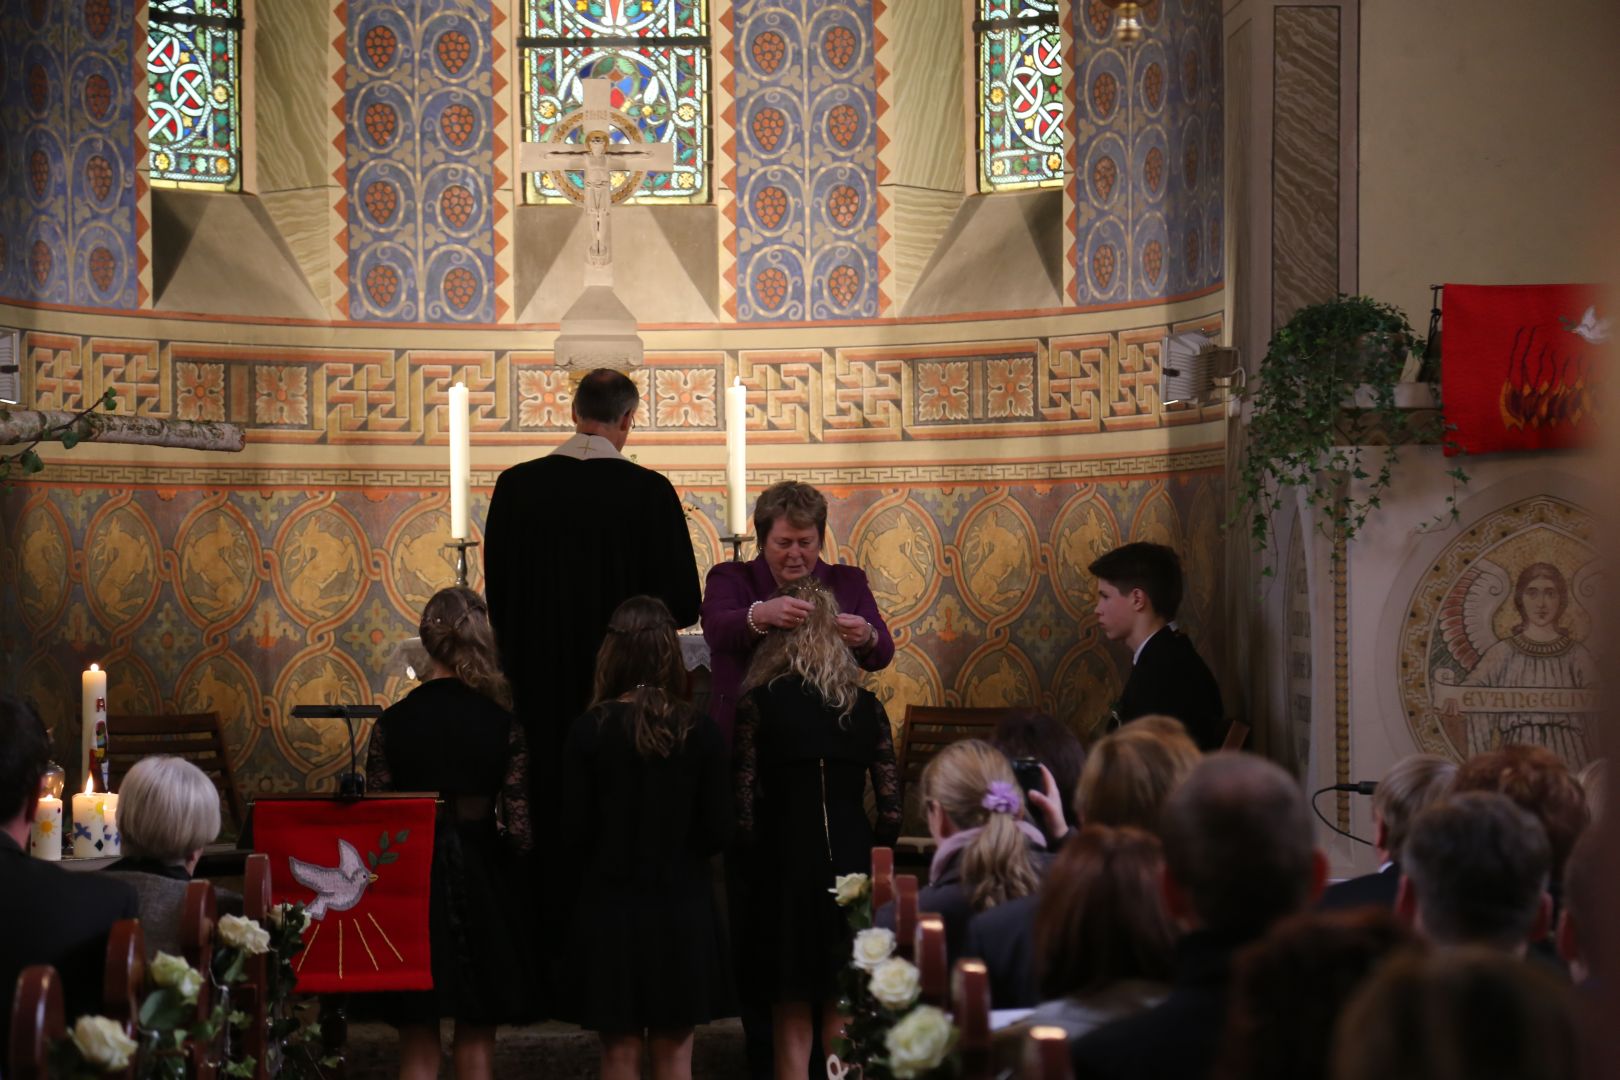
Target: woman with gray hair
point(168, 810)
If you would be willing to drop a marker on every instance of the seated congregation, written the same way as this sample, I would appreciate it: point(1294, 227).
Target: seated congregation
point(1148, 906)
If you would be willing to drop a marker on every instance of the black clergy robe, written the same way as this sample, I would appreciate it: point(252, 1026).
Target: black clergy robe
point(565, 543)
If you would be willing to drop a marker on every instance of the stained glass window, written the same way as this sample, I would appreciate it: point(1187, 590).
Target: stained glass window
point(655, 52)
point(193, 104)
point(1020, 87)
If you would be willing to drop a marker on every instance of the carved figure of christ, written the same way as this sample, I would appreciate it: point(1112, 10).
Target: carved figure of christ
point(598, 157)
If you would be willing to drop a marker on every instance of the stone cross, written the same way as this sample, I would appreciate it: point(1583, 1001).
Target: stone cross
point(599, 158)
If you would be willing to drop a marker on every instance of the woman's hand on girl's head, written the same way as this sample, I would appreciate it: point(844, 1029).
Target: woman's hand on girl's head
point(855, 631)
point(1046, 807)
point(783, 612)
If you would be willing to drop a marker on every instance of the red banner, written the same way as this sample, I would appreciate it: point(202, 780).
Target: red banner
point(1517, 365)
point(362, 869)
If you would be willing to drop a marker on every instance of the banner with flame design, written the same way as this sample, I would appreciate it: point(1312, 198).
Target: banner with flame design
point(1518, 365)
point(362, 869)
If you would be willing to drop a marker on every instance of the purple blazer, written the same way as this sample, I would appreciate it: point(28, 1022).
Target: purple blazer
point(727, 594)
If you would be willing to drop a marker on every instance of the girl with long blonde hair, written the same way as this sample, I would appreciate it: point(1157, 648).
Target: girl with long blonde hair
point(808, 738)
point(453, 734)
point(646, 801)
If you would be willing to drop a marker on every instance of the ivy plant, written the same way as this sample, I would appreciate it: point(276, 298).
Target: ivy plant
point(1306, 431)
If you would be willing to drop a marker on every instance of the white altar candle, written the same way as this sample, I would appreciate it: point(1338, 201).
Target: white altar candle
point(93, 713)
point(45, 834)
point(736, 458)
point(89, 822)
point(111, 842)
point(460, 461)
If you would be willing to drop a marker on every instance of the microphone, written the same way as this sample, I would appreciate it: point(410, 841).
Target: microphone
point(1359, 787)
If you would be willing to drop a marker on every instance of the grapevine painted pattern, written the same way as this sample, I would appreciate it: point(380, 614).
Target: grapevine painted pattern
point(1020, 96)
point(193, 82)
point(664, 87)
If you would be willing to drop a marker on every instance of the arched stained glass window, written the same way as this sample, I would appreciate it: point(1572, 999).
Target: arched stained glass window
point(656, 52)
point(1020, 84)
point(194, 84)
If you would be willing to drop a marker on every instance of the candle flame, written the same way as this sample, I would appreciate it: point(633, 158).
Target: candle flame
point(94, 668)
point(90, 784)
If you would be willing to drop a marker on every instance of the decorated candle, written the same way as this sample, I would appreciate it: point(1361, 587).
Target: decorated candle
point(737, 458)
point(90, 823)
point(45, 834)
point(460, 461)
point(111, 842)
point(93, 713)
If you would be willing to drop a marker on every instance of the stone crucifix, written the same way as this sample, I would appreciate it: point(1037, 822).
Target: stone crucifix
point(598, 157)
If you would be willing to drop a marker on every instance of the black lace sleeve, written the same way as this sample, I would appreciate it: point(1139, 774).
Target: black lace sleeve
point(886, 782)
point(745, 767)
point(378, 777)
point(513, 801)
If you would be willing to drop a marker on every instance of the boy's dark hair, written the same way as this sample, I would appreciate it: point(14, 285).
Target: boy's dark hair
point(1478, 864)
point(1153, 568)
point(605, 396)
point(25, 750)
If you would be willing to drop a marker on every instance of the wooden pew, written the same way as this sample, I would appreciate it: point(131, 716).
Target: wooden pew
point(252, 995)
point(933, 973)
point(124, 982)
point(1046, 1055)
point(36, 1022)
point(198, 918)
point(970, 996)
point(905, 915)
point(882, 876)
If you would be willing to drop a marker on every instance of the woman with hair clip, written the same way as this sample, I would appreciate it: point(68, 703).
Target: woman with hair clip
point(807, 738)
point(454, 735)
point(988, 852)
point(645, 803)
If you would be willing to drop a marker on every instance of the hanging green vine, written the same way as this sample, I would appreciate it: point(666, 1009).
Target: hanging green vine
point(1303, 431)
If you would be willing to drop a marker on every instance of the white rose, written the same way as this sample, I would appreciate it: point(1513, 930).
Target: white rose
point(244, 934)
point(919, 1043)
point(895, 983)
point(102, 1043)
point(872, 947)
point(848, 888)
point(173, 972)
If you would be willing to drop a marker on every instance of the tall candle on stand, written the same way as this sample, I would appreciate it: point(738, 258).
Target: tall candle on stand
point(737, 458)
point(460, 462)
point(93, 712)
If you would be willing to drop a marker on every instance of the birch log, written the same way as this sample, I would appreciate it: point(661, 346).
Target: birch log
point(26, 425)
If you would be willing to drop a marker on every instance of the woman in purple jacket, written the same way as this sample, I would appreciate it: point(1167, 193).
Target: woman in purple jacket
point(740, 605)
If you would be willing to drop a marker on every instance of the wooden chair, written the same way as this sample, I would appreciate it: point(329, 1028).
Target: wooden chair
point(194, 736)
point(124, 981)
point(1046, 1055)
point(252, 995)
point(970, 997)
point(928, 730)
point(882, 876)
point(1237, 733)
point(933, 969)
point(905, 915)
point(37, 1020)
point(198, 918)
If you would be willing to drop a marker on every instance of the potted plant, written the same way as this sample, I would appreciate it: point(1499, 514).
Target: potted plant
point(1327, 388)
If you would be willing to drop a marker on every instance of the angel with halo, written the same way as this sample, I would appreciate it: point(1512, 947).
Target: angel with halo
point(1545, 680)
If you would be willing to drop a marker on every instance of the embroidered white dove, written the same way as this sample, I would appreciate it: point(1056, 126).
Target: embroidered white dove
point(337, 888)
point(1592, 328)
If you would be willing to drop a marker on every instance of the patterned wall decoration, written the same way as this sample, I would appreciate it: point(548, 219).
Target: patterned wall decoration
point(1145, 169)
point(67, 144)
point(200, 590)
point(292, 394)
point(1494, 649)
point(804, 117)
point(421, 145)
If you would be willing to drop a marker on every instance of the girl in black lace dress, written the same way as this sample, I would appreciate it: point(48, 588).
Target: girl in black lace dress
point(646, 802)
point(454, 735)
point(807, 738)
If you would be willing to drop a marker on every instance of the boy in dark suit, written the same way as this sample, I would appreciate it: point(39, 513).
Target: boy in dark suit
point(1139, 588)
point(47, 915)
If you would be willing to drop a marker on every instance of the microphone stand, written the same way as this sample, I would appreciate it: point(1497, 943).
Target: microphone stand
point(351, 785)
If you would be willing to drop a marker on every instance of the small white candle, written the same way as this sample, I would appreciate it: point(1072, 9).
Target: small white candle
point(45, 834)
point(737, 458)
point(93, 713)
point(89, 819)
point(111, 842)
point(460, 461)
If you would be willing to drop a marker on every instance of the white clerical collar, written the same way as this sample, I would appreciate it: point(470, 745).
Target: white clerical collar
point(588, 447)
point(1137, 655)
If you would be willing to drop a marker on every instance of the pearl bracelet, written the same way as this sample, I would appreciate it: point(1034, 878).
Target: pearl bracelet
point(752, 625)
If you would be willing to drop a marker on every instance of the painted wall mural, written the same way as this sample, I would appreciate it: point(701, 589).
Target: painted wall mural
point(1494, 650)
point(805, 117)
point(67, 147)
point(1145, 165)
point(419, 95)
point(247, 597)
